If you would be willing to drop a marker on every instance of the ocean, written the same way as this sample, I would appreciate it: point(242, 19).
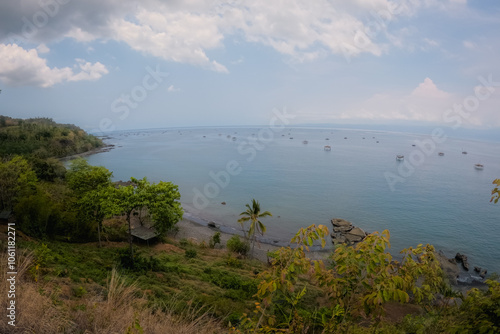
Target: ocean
point(426, 198)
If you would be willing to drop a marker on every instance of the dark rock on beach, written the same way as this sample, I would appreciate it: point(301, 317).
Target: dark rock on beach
point(345, 232)
point(462, 258)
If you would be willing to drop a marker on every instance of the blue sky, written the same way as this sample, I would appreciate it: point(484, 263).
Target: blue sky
point(92, 63)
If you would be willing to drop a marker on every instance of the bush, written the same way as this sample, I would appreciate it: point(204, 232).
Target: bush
point(214, 240)
point(191, 253)
point(236, 245)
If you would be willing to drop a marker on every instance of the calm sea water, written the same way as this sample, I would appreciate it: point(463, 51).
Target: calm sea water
point(441, 200)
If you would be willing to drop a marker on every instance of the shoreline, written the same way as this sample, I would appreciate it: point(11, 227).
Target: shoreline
point(97, 150)
point(197, 229)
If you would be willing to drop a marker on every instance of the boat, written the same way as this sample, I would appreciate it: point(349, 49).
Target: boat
point(478, 166)
point(327, 138)
point(400, 157)
point(328, 148)
point(305, 142)
point(441, 154)
point(464, 152)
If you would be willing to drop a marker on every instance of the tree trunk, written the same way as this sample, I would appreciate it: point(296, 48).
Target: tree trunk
point(130, 238)
point(99, 233)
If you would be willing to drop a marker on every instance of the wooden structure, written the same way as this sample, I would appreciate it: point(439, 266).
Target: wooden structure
point(143, 233)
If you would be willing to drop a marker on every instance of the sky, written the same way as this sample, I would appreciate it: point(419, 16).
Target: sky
point(120, 64)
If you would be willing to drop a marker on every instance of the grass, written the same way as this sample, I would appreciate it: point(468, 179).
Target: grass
point(80, 288)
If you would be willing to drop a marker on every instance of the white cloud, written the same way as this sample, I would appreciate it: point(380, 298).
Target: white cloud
point(20, 67)
point(172, 89)
point(469, 45)
point(42, 48)
point(180, 37)
point(425, 103)
point(89, 71)
point(184, 31)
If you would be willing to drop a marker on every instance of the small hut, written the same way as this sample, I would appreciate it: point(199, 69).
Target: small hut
point(144, 234)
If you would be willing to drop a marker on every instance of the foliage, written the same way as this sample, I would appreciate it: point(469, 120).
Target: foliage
point(16, 179)
point(253, 215)
point(191, 253)
point(495, 193)
point(44, 138)
point(480, 311)
point(160, 199)
point(214, 240)
point(48, 169)
point(234, 244)
point(362, 280)
point(92, 186)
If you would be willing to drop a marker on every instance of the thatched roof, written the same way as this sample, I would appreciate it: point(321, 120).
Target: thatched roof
point(144, 233)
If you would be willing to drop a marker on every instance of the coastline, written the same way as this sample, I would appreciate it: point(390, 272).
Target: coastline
point(102, 149)
point(197, 230)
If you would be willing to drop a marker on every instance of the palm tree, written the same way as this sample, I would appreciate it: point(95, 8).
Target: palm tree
point(253, 214)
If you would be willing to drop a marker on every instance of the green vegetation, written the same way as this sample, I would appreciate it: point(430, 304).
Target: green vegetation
point(43, 138)
point(161, 200)
point(253, 215)
point(495, 193)
point(235, 244)
point(68, 285)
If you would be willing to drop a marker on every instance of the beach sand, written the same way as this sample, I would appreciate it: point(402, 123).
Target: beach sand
point(191, 230)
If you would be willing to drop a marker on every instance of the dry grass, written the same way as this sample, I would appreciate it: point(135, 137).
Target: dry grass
point(40, 308)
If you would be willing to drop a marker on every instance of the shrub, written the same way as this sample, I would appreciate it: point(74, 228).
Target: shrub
point(191, 253)
point(214, 240)
point(236, 245)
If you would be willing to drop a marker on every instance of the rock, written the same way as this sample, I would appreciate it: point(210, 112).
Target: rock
point(212, 224)
point(462, 258)
point(477, 269)
point(352, 238)
point(337, 222)
point(483, 273)
point(449, 267)
point(337, 238)
point(358, 232)
point(342, 229)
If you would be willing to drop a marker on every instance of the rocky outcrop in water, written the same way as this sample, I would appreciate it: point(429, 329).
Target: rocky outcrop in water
point(462, 258)
point(345, 232)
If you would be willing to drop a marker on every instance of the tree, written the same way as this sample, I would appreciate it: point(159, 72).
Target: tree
point(362, 279)
point(495, 193)
point(160, 199)
point(253, 214)
point(16, 179)
point(92, 186)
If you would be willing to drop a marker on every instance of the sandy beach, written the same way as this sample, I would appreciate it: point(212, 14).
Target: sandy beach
point(196, 232)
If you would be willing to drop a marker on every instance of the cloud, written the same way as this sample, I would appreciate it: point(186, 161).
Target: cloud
point(172, 89)
point(469, 45)
point(20, 67)
point(42, 48)
point(425, 103)
point(184, 31)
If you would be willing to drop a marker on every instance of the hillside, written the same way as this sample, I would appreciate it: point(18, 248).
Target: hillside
point(43, 138)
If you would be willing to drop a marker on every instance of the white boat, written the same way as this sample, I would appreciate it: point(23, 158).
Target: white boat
point(328, 148)
point(400, 157)
point(479, 166)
